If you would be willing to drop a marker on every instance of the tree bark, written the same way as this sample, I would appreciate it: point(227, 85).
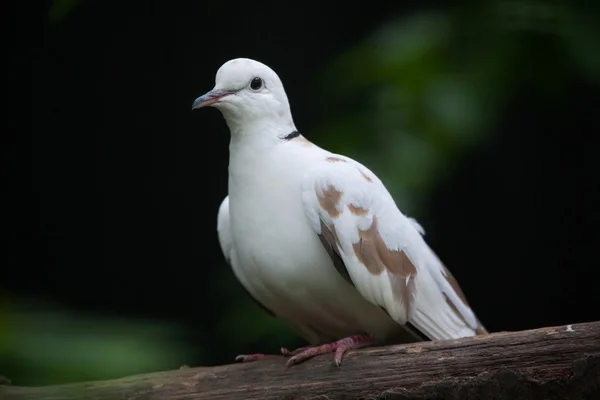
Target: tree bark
point(561, 362)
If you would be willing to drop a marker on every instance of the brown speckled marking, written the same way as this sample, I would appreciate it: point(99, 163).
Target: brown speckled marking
point(329, 200)
point(357, 210)
point(365, 176)
point(374, 254)
point(334, 159)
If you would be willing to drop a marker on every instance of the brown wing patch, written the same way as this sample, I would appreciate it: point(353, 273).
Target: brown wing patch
point(329, 200)
point(366, 250)
point(373, 253)
point(334, 159)
point(480, 330)
point(357, 210)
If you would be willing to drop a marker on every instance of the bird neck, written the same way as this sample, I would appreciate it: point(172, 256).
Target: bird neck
point(259, 133)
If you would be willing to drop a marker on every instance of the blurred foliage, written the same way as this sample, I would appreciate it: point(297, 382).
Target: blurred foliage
point(408, 101)
point(41, 343)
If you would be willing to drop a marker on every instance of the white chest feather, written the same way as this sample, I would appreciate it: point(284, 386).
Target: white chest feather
point(273, 239)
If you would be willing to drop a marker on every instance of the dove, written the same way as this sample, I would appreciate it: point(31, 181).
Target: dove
point(316, 239)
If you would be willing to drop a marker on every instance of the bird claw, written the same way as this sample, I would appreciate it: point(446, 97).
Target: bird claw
point(302, 354)
point(339, 347)
point(287, 353)
point(293, 361)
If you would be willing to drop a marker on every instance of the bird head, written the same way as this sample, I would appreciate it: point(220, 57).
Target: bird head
point(248, 93)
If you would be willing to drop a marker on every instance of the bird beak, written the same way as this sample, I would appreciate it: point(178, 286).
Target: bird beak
point(210, 98)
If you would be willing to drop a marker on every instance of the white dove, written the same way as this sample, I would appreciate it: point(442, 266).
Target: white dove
point(316, 238)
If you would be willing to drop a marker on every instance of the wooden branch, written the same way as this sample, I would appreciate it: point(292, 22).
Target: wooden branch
point(560, 362)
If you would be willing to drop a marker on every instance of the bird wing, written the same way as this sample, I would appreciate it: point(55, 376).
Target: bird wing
point(381, 251)
point(226, 242)
point(224, 230)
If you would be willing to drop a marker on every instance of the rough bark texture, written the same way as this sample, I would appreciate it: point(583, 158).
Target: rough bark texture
point(560, 362)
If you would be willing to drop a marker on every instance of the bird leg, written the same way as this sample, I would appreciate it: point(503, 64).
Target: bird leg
point(340, 347)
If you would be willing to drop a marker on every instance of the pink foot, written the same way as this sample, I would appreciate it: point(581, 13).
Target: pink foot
point(288, 353)
point(259, 356)
point(340, 347)
point(255, 357)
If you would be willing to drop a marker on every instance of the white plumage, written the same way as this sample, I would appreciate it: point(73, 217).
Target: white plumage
point(315, 237)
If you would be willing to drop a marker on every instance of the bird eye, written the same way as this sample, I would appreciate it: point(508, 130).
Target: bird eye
point(256, 83)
